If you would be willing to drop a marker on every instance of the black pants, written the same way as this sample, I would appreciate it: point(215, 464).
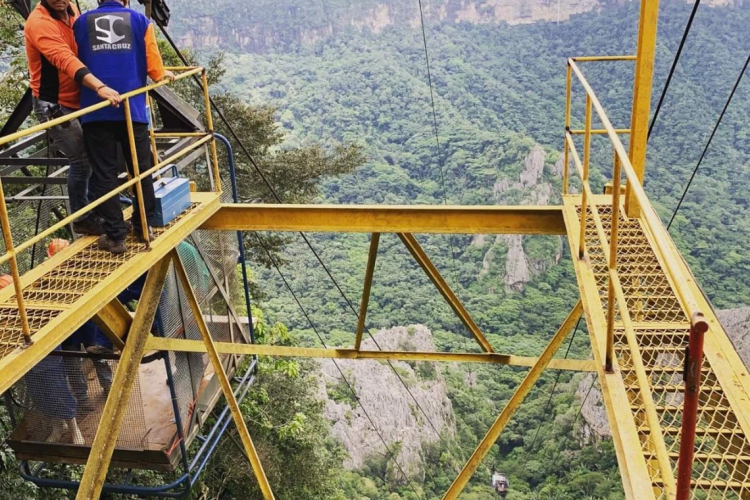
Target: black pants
point(101, 139)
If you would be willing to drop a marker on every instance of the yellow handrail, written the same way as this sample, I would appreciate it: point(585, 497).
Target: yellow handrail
point(615, 293)
point(70, 218)
point(604, 58)
point(81, 112)
point(650, 216)
point(662, 241)
point(201, 139)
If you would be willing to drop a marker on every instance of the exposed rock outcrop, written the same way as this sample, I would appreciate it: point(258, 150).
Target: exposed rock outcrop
point(509, 250)
point(595, 425)
point(737, 324)
point(394, 413)
point(517, 272)
point(252, 29)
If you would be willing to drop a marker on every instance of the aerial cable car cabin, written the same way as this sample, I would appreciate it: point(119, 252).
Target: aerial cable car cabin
point(500, 484)
point(674, 387)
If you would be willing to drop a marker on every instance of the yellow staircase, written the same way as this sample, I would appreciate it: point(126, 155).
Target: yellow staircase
point(661, 330)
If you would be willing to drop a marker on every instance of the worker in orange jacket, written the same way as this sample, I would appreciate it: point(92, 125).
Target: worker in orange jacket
point(56, 76)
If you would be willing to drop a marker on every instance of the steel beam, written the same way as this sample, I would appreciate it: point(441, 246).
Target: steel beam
point(515, 401)
point(114, 321)
point(429, 268)
point(183, 345)
point(371, 257)
point(226, 387)
point(389, 219)
point(33, 161)
point(644, 75)
point(97, 464)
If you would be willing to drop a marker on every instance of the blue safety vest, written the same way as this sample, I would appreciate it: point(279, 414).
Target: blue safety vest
point(111, 43)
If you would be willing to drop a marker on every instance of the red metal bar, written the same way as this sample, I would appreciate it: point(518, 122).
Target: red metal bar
point(692, 378)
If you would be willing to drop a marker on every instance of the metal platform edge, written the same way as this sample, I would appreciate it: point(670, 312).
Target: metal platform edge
point(16, 364)
point(635, 478)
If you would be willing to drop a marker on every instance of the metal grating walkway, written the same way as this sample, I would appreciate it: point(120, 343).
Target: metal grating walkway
point(721, 468)
point(71, 287)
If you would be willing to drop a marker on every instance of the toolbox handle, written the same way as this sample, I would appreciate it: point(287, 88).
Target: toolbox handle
point(171, 166)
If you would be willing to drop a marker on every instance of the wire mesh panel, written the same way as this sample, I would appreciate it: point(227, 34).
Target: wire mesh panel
point(210, 259)
point(31, 214)
point(61, 401)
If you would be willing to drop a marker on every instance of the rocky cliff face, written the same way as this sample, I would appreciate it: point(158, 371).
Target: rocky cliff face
point(595, 425)
point(518, 257)
point(394, 413)
point(266, 25)
point(736, 322)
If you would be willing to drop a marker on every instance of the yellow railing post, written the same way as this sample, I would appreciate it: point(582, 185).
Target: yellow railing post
point(8, 237)
point(136, 173)
point(585, 179)
point(566, 170)
point(644, 73)
point(615, 225)
point(152, 128)
point(210, 125)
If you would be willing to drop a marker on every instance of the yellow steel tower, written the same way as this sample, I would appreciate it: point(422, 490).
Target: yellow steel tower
point(638, 296)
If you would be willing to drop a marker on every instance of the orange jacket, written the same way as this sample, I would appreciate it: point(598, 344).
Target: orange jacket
point(51, 52)
point(154, 62)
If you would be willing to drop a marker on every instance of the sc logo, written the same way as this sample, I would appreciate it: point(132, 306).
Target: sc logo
point(105, 28)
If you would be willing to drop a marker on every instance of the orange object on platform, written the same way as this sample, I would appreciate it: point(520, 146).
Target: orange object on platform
point(56, 245)
point(5, 280)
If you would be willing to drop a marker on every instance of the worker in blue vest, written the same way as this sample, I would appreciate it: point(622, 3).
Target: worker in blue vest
point(118, 44)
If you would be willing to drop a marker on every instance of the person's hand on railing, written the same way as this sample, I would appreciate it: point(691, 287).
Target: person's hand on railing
point(169, 76)
point(111, 95)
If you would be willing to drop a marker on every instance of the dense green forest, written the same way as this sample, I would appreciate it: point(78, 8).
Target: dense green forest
point(499, 92)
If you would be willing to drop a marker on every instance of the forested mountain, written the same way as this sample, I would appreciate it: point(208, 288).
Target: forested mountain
point(267, 25)
point(343, 72)
point(499, 90)
point(499, 102)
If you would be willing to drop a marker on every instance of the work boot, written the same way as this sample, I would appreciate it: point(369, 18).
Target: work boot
point(59, 427)
point(110, 245)
point(90, 226)
point(139, 234)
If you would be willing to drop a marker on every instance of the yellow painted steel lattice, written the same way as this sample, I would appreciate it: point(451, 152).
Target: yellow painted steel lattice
point(59, 289)
point(11, 336)
point(721, 469)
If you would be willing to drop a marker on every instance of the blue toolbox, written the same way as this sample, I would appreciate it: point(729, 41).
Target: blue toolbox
point(172, 197)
